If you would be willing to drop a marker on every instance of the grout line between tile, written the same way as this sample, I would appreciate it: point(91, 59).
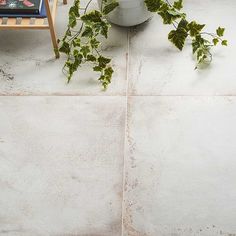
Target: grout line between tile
point(126, 95)
point(125, 133)
point(116, 95)
point(183, 95)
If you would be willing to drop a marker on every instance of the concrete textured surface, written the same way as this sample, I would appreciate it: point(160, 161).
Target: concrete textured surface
point(154, 155)
point(61, 165)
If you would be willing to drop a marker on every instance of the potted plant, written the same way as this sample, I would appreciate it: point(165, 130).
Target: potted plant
point(82, 38)
point(128, 13)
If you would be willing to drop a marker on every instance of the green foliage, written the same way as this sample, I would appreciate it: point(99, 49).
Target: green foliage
point(220, 31)
point(178, 36)
point(81, 41)
point(153, 5)
point(201, 48)
point(215, 41)
point(195, 28)
point(178, 4)
point(171, 14)
point(109, 6)
point(224, 43)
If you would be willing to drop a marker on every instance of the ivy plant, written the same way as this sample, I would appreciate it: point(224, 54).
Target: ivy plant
point(82, 39)
point(201, 45)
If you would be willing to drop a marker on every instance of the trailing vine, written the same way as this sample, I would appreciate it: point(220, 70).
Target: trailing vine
point(171, 14)
point(81, 42)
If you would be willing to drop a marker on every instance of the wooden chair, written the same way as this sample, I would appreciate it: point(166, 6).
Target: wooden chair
point(36, 23)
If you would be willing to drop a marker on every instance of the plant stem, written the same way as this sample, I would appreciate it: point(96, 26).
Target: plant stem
point(80, 30)
point(213, 35)
point(167, 1)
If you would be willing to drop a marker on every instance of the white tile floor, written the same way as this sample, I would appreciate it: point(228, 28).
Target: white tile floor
point(155, 155)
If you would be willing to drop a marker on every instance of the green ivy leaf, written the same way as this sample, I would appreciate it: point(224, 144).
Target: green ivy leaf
point(178, 37)
point(178, 4)
point(224, 43)
point(85, 50)
point(75, 10)
point(110, 7)
point(106, 77)
point(174, 13)
point(215, 41)
point(195, 28)
point(104, 27)
point(202, 54)
point(65, 48)
point(91, 58)
point(153, 5)
point(201, 48)
point(77, 6)
point(88, 32)
point(72, 20)
point(169, 14)
point(197, 42)
point(76, 42)
point(97, 68)
point(94, 43)
point(78, 61)
point(103, 61)
point(108, 72)
point(220, 31)
point(183, 24)
point(92, 16)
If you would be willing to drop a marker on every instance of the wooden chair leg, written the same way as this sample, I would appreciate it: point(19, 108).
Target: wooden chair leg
point(52, 30)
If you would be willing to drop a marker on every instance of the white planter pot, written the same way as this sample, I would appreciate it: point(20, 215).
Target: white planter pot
point(129, 13)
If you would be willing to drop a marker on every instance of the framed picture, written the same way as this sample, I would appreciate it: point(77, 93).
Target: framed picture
point(20, 6)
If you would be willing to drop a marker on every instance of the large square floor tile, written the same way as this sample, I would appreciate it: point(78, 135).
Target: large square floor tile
point(181, 167)
point(28, 65)
point(158, 68)
point(61, 165)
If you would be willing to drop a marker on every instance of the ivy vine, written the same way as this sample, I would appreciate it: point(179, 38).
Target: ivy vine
point(201, 46)
point(82, 39)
